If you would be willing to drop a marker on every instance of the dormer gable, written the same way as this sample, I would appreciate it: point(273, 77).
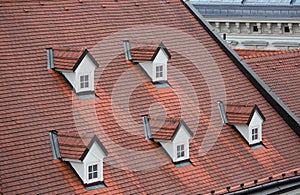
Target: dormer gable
point(172, 134)
point(86, 161)
point(77, 66)
point(152, 59)
point(247, 119)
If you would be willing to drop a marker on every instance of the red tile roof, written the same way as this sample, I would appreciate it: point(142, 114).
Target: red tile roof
point(238, 114)
point(252, 53)
point(163, 128)
point(71, 146)
point(145, 53)
point(281, 72)
point(35, 100)
point(66, 58)
point(148, 51)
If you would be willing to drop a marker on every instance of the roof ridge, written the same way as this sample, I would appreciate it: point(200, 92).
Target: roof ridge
point(272, 53)
point(69, 49)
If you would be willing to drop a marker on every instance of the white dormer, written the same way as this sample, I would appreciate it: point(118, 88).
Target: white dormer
point(255, 127)
point(153, 60)
point(173, 135)
point(247, 120)
point(77, 66)
point(87, 161)
point(90, 165)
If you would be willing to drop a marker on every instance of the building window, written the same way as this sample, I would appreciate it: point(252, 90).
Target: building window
point(84, 81)
point(159, 71)
point(254, 134)
point(255, 29)
point(286, 29)
point(92, 172)
point(180, 151)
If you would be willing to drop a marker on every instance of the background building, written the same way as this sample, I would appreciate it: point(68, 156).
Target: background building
point(261, 24)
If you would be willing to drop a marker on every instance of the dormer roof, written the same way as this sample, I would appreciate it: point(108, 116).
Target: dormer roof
point(148, 53)
point(72, 146)
point(70, 58)
point(241, 114)
point(167, 129)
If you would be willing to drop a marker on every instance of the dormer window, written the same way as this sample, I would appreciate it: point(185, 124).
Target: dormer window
point(159, 71)
point(180, 151)
point(93, 172)
point(77, 66)
point(173, 135)
point(86, 161)
point(152, 59)
point(84, 81)
point(254, 134)
point(246, 119)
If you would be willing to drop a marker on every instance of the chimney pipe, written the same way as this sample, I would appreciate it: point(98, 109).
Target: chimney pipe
point(147, 129)
point(50, 59)
point(127, 50)
point(54, 144)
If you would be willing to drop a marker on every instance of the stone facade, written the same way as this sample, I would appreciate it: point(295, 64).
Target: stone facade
point(259, 25)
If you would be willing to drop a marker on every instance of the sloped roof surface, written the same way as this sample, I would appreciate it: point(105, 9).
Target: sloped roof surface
point(238, 114)
point(281, 72)
point(163, 128)
point(71, 146)
point(143, 53)
point(252, 53)
point(66, 58)
point(35, 100)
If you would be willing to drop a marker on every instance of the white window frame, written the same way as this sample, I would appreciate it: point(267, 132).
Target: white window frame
point(98, 172)
point(255, 134)
point(160, 72)
point(180, 151)
point(84, 82)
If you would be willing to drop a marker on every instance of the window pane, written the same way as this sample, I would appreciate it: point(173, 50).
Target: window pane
point(90, 168)
point(94, 167)
point(159, 71)
point(95, 175)
point(90, 176)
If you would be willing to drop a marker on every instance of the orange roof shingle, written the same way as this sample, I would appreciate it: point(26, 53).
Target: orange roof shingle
point(163, 129)
point(35, 100)
point(281, 72)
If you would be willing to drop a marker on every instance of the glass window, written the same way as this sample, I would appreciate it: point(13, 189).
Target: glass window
point(159, 71)
point(255, 29)
point(286, 29)
point(93, 171)
point(84, 81)
point(180, 151)
point(254, 134)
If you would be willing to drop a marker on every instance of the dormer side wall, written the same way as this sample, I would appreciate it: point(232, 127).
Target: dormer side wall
point(148, 68)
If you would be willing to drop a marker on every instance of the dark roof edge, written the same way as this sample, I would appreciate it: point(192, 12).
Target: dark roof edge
point(84, 53)
point(255, 107)
point(181, 122)
point(94, 139)
point(163, 47)
point(266, 187)
point(275, 102)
